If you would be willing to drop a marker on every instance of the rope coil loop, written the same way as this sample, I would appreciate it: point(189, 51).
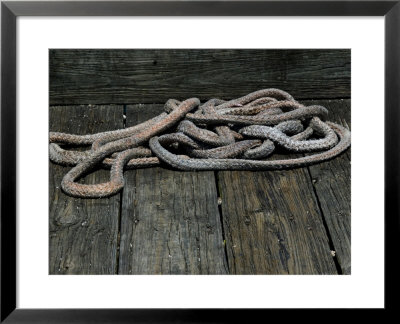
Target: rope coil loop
point(217, 135)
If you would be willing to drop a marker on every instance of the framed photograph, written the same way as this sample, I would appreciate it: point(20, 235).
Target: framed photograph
point(162, 159)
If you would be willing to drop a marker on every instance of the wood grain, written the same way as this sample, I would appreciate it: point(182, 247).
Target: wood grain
point(83, 232)
point(170, 223)
point(332, 183)
point(291, 221)
point(277, 222)
point(272, 224)
point(153, 76)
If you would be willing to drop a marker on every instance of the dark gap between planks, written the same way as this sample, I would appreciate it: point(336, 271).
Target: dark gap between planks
point(328, 234)
point(217, 184)
point(162, 103)
point(120, 204)
point(221, 217)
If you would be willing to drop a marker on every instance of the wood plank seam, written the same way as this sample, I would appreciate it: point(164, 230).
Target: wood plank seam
point(328, 234)
point(117, 255)
point(168, 226)
point(120, 204)
point(221, 218)
point(334, 194)
point(163, 102)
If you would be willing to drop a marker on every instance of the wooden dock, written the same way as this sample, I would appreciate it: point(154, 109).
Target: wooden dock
point(172, 222)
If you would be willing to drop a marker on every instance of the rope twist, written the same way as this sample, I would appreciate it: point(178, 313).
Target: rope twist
point(217, 135)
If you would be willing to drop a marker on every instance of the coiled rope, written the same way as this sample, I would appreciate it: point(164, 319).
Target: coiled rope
point(218, 135)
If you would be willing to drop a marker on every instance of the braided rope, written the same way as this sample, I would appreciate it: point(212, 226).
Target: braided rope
point(217, 135)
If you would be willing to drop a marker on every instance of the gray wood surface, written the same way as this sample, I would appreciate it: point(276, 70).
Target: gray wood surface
point(332, 183)
point(272, 223)
point(293, 221)
point(83, 232)
point(153, 76)
point(170, 223)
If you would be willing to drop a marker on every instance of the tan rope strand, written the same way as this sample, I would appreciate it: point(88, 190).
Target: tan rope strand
point(218, 135)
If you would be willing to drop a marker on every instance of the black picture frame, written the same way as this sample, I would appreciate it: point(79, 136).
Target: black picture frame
point(10, 10)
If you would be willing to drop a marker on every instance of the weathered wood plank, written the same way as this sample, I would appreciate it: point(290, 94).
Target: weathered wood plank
point(272, 224)
point(278, 224)
point(150, 76)
point(170, 223)
point(83, 232)
point(332, 183)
